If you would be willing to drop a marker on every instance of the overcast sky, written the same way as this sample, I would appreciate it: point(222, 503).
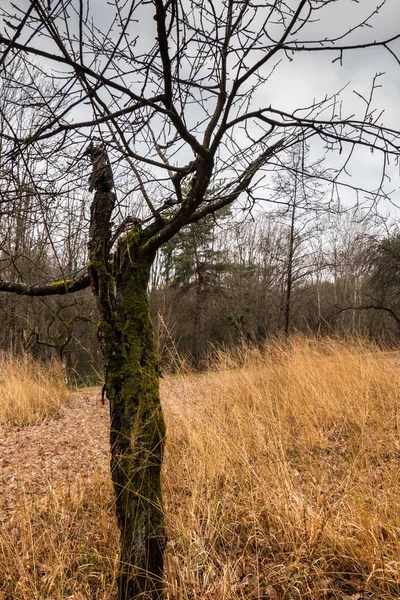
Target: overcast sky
point(312, 76)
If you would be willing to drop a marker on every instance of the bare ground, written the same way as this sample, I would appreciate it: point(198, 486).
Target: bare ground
point(55, 453)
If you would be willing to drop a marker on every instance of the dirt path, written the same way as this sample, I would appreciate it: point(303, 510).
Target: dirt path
point(54, 452)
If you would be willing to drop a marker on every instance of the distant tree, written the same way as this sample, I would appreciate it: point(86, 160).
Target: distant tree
point(382, 289)
point(298, 188)
point(255, 285)
point(177, 97)
point(194, 264)
point(385, 265)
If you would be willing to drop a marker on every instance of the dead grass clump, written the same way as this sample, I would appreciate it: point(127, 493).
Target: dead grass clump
point(58, 531)
point(60, 543)
point(30, 390)
point(282, 474)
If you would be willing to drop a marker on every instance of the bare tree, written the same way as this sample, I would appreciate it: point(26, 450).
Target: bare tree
point(380, 281)
point(298, 188)
point(176, 94)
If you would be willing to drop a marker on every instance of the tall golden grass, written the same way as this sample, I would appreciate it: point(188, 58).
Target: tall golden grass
point(29, 390)
point(281, 481)
point(282, 474)
point(60, 543)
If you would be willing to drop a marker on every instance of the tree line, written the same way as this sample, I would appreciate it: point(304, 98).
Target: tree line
point(227, 280)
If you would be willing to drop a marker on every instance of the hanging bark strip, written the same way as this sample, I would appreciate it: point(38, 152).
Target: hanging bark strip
point(137, 434)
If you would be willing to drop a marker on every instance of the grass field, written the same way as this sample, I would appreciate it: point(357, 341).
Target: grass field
point(30, 391)
point(281, 481)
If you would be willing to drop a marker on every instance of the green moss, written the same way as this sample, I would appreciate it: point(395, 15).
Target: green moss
point(96, 260)
point(61, 284)
point(137, 423)
point(132, 237)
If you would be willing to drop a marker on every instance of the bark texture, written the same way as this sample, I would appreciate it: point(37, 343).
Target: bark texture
point(137, 434)
point(137, 428)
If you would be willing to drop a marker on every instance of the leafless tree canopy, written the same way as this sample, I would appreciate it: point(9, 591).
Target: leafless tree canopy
point(178, 91)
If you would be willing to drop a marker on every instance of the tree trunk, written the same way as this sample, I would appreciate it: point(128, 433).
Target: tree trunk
point(289, 276)
point(137, 432)
point(137, 427)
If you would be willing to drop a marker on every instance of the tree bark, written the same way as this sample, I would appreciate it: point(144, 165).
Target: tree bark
point(137, 428)
point(289, 279)
point(137, 432)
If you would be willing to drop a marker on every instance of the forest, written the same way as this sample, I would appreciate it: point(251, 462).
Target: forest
point(301, 268)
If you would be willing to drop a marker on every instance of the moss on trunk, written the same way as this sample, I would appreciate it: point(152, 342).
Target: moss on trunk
point(137, 433)
point(137, 426)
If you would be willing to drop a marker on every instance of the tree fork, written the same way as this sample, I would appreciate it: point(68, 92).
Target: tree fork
point(137, 431)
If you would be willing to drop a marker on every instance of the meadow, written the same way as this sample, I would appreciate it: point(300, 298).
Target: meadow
point(281, 480)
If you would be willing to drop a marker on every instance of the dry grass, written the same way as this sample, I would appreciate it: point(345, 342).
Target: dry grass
point(281, 481)
point(282, 475)
point(30, 391)
point(59, 544)
point(58, 535)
